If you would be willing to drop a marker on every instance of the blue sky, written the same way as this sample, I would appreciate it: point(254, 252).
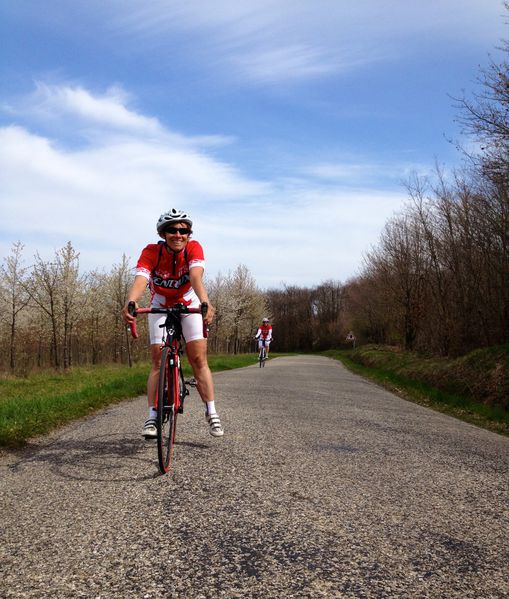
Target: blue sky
point(284, 127)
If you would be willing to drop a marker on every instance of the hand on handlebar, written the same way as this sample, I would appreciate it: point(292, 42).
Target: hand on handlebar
point(208, 316)
point(128, 312)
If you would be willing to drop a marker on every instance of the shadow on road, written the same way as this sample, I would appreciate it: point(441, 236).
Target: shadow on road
point(108, 458)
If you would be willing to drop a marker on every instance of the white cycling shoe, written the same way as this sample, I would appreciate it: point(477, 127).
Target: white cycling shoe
point(215, 428)
point(149, 429)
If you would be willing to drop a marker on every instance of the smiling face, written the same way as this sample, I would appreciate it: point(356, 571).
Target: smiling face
point(177, 236)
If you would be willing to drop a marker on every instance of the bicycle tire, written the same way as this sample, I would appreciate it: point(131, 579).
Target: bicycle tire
point(166, 412)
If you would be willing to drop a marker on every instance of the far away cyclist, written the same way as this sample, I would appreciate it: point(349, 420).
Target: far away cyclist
point(264, 335)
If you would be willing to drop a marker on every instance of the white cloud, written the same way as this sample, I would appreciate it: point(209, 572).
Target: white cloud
point(106, 195)
point(364, 172)
point(343, 171)
point(296, 62)
point(75, 111)
point(285, 40)
point(314, 235)
point(109, 110)
point(112, 182)
point(263, 19)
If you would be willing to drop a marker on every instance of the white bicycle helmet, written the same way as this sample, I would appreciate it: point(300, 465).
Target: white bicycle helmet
point(265, 319)
point(170, 218)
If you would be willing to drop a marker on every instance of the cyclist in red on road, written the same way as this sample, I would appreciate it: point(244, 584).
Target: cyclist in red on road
point(264, 334)
point(173, 270)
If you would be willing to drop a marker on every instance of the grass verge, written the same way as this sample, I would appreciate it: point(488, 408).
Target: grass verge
point(37, 404)
point(472, 388)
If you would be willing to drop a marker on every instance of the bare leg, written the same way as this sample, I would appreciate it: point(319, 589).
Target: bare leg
point(197, 356)
point(153, 377)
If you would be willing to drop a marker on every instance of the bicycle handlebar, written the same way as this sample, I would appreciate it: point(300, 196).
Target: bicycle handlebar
point(177, 309)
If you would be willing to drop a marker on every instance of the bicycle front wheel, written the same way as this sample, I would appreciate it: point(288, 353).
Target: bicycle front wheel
point(262, 356)
point(166, 413)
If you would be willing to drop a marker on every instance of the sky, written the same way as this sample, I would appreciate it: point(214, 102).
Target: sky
point(285, 128)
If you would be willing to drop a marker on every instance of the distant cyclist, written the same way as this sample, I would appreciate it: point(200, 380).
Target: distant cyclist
point(173, 269)
point(264, 335)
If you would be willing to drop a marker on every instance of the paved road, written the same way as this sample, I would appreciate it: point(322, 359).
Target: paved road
point(324, 486)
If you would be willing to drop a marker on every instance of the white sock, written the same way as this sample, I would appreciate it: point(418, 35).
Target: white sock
point(211, 408)
point(152, 413)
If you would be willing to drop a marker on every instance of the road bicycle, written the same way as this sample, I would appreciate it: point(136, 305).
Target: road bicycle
point(262, 356)
point(172, 388)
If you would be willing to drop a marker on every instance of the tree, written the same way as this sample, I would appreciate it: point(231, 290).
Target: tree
point(240, 306)
point(55, 288)
point(400, 266)
point(292, 317)
point(328, 309)
point(119, 282)
point(13, 294)
point(221, 330)
point(485, 116)
point(248, 307)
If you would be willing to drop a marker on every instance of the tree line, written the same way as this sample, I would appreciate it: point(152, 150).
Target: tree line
point(438, 280)
point(52, 315)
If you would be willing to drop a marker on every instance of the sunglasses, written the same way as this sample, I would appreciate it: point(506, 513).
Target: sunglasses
point(175, 230)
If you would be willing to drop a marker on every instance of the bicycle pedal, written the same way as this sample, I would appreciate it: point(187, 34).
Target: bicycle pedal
point(191, 382)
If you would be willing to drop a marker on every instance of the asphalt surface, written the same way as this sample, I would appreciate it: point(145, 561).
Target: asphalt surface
point(324, 485)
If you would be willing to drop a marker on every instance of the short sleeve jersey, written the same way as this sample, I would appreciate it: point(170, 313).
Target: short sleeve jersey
point(167, 272)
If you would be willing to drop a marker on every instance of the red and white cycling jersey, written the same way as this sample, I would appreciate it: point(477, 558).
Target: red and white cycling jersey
point(264, 332)
point(167, 272)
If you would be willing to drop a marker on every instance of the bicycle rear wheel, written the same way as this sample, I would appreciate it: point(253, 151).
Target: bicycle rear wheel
point(166, 412)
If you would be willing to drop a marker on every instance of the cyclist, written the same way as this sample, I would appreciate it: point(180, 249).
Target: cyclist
point(173, 270)
point(264, 335)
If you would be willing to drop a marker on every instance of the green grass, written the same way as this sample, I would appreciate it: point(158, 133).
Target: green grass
point(472, 388)
point(44, 401)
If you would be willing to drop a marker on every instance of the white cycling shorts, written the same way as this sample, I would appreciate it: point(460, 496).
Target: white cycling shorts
point(260, 342)
point(192, 327)
point(192, 324)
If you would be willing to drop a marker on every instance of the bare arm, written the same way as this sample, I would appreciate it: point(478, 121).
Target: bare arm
point(196, 278)
point(137, 288)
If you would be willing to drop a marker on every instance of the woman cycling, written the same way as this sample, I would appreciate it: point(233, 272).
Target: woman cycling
point(264, 335)
point(173, 270)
